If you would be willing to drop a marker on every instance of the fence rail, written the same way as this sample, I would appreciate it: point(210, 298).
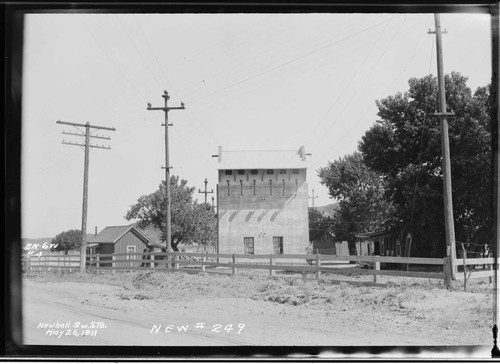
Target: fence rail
point(273, 263)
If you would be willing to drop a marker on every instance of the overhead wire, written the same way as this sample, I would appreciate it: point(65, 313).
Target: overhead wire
point(395, 78)
point(356, 92)
point(293, 60)
point(125, 78)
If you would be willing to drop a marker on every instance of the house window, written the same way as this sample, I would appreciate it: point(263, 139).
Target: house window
point(295, 171)
point(282, 171)
point(229, 173)
point(270, 171)
point(241, 171)
point(130, 249)
point(248, 244)
point(254, 171)
point(277, 245)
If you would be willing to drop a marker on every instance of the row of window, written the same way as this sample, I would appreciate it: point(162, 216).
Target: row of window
point(229, 172)
point(249, 245)
point(254, 188)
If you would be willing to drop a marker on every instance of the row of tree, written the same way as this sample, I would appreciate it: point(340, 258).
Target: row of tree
point(394, 181)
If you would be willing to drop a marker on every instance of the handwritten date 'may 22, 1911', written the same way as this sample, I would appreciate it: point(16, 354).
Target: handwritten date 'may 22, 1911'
point(217, 328)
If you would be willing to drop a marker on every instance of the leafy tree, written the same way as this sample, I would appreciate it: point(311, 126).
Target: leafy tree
point(319, 224)
point(404, 147)
point(361, 195)
point(67, 240)
point(190, 221)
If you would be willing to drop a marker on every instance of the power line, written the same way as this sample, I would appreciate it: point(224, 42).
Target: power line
point(112, 60)
point(292, 60)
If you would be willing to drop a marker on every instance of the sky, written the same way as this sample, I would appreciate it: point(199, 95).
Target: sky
point(248, 82)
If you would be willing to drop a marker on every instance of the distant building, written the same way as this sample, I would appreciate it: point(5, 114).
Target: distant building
point(262, 202)
point(377, 243)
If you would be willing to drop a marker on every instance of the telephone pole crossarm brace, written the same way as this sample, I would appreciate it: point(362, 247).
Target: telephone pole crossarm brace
point(166, 109)
point(87, 146)
point(206, 192)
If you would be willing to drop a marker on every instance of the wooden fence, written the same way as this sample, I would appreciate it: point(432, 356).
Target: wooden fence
point(50, 262)
point(316, 264)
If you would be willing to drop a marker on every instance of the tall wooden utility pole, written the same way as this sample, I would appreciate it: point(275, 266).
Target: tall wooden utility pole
point(445, 147)
point(87, 147)
point(166, 109)
point(495, 122)
point(313, 197)
point(206, 192)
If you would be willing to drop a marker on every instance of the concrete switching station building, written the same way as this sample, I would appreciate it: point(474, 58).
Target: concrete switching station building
point(262, 202)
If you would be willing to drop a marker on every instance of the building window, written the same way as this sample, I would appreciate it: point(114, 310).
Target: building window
point(254, 171)
point(277, 245)
point(295, 171)
point(130, 249)
point(270, 171)
point(248, 243)
point(229, 173)
point(241, 171)
point(282, 171)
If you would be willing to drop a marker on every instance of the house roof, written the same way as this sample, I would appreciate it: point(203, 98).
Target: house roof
point(111, 234)
point(262, 159)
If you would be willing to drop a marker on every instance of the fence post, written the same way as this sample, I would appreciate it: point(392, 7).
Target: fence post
point(234, 265)
point(464, 255)
point(376, 267)
point(318, 266)
point(175, 261)
point(203, 260)
point(270, 264)
point(447, 272)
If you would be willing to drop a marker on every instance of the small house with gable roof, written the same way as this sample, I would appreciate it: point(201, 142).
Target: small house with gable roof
point(262, 202)
point(120, 239)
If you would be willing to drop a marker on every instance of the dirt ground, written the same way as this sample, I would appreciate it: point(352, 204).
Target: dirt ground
point(177, 309)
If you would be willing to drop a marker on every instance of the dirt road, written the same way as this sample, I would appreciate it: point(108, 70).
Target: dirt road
point(369, 317)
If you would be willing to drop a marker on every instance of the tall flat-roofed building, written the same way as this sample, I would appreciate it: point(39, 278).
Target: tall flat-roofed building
point(262, 202)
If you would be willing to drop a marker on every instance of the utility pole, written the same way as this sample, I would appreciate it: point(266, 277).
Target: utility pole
point(87, 147)
point(445, 147)
point(495, 87)
point(206, 192)
point(313, 197)
point(166, 109)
